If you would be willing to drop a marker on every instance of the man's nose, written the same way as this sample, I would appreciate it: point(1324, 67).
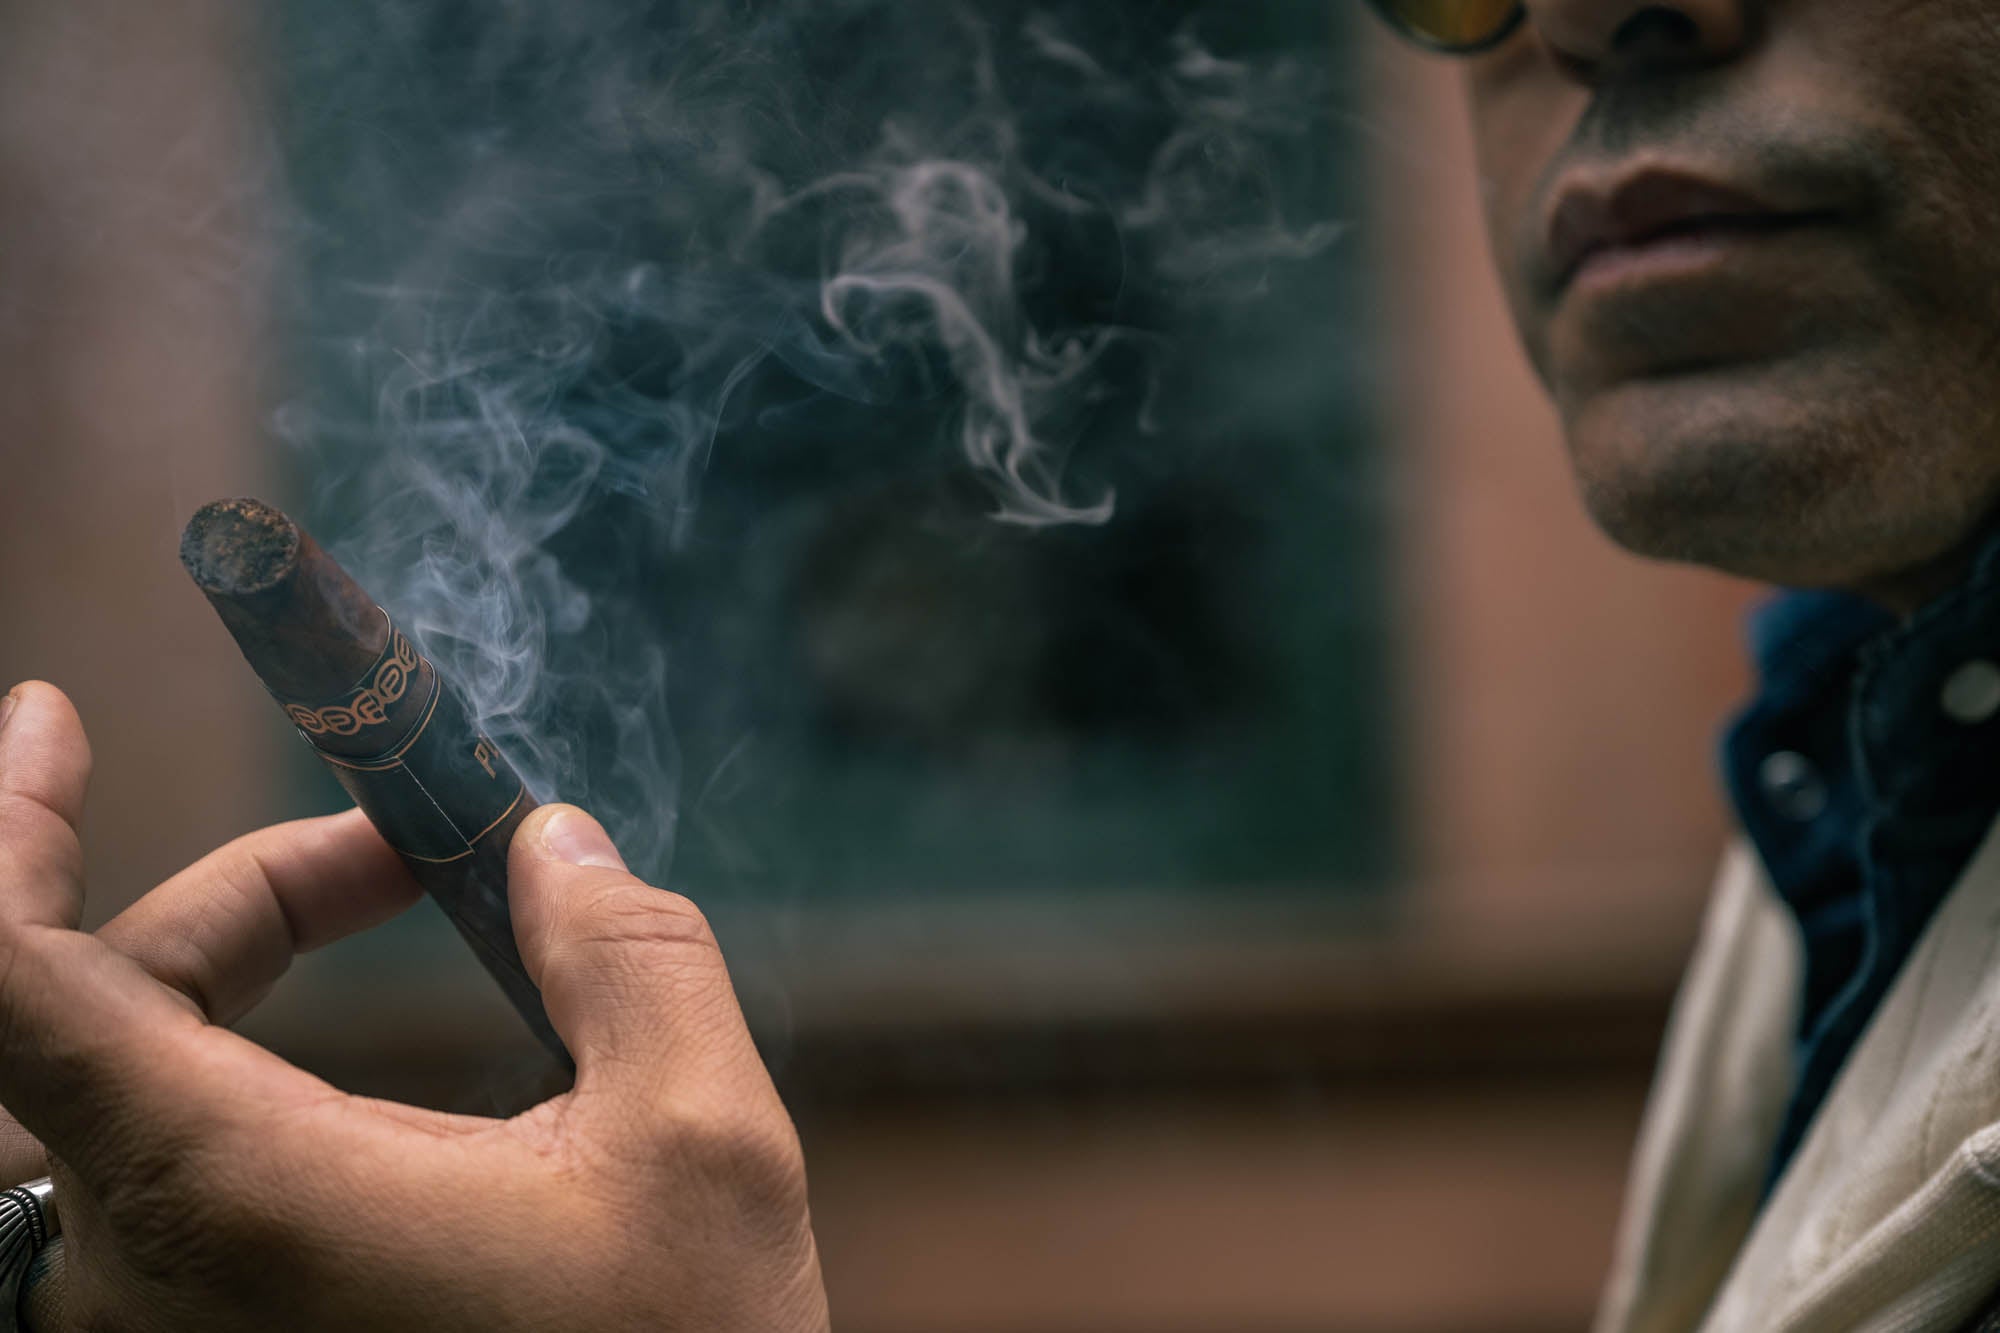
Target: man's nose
point(1600, 39)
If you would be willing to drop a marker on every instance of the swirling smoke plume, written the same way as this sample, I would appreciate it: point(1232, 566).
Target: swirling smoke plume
point(552, 255)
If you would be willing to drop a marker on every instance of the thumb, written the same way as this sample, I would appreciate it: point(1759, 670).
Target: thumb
point(631, 975)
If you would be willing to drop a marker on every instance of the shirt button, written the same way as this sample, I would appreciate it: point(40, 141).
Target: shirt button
point(1972, 694)
point(1792, 785)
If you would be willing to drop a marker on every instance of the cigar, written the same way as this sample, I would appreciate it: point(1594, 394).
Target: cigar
point(395, 733)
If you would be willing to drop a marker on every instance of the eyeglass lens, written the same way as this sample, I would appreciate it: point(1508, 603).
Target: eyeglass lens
point(1454, 25)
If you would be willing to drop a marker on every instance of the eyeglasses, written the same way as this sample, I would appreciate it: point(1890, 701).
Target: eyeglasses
point(1456, 27)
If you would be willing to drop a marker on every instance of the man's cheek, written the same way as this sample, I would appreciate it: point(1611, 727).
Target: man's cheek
point(1523, 110)
point(1517, 132)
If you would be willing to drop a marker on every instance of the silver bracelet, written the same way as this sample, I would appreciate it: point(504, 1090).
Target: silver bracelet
point(28, 1221)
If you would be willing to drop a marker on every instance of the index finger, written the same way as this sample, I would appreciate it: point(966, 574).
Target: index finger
point(225, 929)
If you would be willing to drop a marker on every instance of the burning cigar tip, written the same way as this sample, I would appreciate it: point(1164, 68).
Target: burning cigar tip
point(309, 630)
point(233, 548)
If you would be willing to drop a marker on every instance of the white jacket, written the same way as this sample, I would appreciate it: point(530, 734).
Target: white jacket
point(1889, 1216)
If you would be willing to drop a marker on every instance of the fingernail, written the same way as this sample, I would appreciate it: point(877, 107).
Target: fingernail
point(573, 836)
point(7, 707)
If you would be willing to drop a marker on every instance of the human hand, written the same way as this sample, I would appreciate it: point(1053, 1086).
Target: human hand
point(205, 1183)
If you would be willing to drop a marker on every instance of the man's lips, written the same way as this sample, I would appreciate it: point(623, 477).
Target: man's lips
point(1592, 218)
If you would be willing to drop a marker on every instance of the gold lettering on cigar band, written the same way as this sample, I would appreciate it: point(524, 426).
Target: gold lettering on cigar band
point(485, 754)
point(369, 705)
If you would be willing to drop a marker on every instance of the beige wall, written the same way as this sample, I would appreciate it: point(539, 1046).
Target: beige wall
point(130, 301)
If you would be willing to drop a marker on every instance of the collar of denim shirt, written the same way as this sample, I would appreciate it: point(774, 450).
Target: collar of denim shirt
point(1865, 774)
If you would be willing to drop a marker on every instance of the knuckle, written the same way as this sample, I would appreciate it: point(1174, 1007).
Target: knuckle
point(36, 840)
point(755, 1160)
point(27, 972)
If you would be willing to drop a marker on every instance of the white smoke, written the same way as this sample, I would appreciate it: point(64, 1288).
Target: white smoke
point(552, 241)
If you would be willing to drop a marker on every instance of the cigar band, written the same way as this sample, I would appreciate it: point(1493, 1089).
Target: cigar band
point(394, 755)
point(437, 785)
point(443, 787)
point(367, 705)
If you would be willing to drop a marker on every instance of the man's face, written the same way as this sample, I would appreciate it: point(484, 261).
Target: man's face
point(1754, 252)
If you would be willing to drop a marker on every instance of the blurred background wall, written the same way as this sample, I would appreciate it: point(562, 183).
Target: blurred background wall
point(132, 298)
point(1228, 1111)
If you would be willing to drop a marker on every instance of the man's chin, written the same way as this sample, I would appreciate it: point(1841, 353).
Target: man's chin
point(1723, 471)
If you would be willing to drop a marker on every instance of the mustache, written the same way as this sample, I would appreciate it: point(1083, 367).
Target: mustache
point(1790, 157)
point(1629, 115)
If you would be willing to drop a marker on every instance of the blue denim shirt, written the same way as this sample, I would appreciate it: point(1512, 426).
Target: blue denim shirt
point(1866, 772)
